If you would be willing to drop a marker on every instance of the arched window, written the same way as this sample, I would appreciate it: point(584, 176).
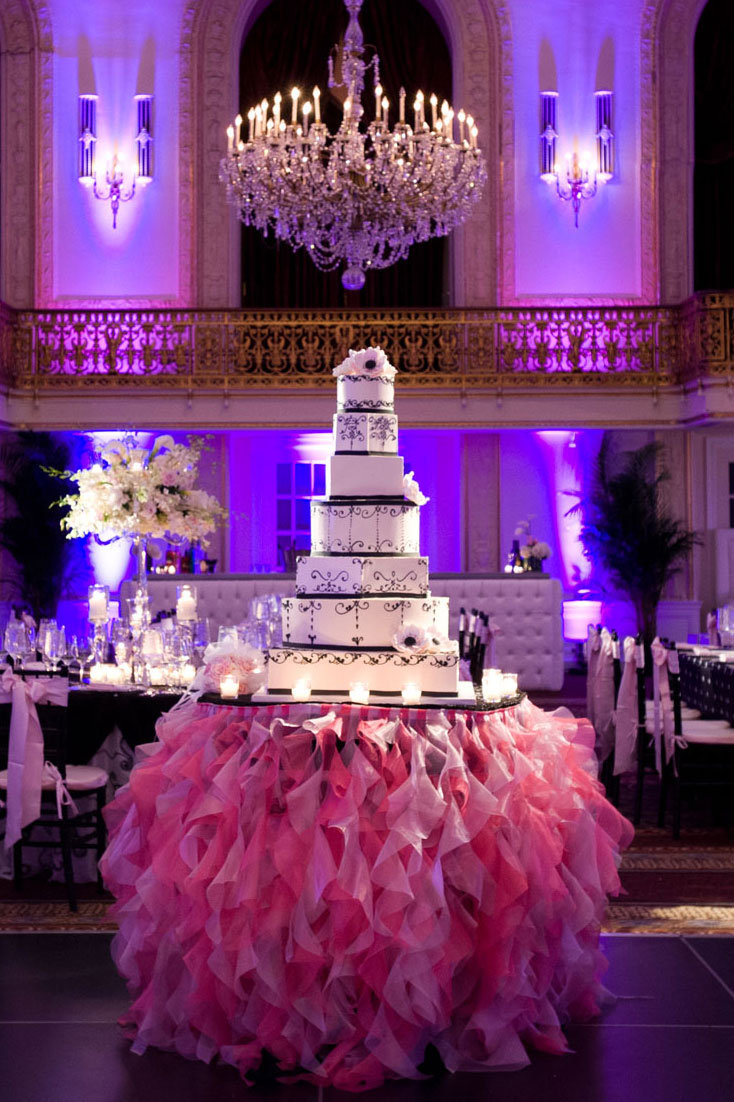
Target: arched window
point(713, 182)
point(289, 45)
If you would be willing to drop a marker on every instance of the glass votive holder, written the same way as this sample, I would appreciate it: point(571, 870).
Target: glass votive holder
point(301, 689)
point(509, 685)
point(157, 675)
point(186, 604)
point(359, 692)
point(97, 674)
point(492, 681)
point(99, 600)
point(229, 687)
point(227, 634)
point(188, 673)
point(411, 694)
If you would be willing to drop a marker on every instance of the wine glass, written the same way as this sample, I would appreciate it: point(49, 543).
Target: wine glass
point(81, 649)
point(202, 637)
point(54, 645)
point(44, 626)
point(16, 641)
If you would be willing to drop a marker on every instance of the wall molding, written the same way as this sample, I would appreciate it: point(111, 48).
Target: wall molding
point(212, 33)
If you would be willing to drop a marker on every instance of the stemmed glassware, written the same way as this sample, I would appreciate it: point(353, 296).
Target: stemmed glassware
point(17, 643)
point(53, 645)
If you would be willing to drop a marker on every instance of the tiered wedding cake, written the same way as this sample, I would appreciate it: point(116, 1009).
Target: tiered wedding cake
point(363, 611)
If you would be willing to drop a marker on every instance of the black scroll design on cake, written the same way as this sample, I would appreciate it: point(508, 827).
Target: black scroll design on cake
point(286, 605)
point(394, 583)
point(327, 580)
point(366, 404)
point(344, 608)
point(310, 608)
point(383, 429)
point(352, 428)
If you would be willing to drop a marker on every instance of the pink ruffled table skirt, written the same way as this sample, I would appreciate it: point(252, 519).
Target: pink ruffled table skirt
point(342, 886)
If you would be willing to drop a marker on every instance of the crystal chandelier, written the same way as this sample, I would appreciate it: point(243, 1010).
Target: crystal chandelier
point(358, 198)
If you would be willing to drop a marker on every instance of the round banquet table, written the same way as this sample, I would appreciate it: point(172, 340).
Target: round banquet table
point(341, 887)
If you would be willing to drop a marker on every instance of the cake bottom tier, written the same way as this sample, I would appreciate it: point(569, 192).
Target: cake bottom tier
point(383, 671)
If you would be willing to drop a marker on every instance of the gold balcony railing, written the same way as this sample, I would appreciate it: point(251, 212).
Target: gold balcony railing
point(645, 346)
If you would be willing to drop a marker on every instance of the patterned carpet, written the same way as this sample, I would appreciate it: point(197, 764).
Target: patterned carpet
point(672, 889)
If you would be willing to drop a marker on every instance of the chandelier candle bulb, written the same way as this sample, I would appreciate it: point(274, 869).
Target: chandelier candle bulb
point(301, 689)
point(229, 687)
point(306, 113)
point(230, 139)
point(402, 105)
point(238, 124)
point(378, 100)
point(276, 109)
point(359, 693)
point(411, 694)
point(461, 116)
point(434, 103)
point(294, 97)
point(251, 118)
point(316, 104)
point(385, 108)
point(264, 108)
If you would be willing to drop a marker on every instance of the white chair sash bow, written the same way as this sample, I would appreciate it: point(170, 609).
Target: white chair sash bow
point(25, 749)
point(625, 715)
point(600, 692)
point(663, 706)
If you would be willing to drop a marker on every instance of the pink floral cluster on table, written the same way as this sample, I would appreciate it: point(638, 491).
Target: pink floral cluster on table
point(368, 361)
point(530, 546)
point(414, 639)
point(134, 491)
point(231, 658)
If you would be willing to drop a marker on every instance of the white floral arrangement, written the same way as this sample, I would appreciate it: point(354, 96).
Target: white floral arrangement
point(530, 547)
point(133, 491)
point(413, 639)
point(368, 361)
point(231, 658)
point(412, 490)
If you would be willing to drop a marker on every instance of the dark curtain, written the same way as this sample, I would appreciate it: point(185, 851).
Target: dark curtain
point(713, 188)
point(289, 45)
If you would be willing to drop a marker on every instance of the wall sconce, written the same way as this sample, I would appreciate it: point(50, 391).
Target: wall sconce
point(548, 135)
point(604, 136)
point(578, 181)
point(87, 137)
point(113, 190)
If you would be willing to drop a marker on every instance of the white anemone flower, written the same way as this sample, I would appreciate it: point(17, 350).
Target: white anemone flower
point(410, 639)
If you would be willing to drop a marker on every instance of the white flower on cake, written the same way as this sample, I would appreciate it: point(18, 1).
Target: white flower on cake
point(437, 643)
point(411, 639)
point(412, 490)
point(368, 361)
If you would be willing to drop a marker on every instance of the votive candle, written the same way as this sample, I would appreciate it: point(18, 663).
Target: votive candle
point(301, 689)
point(229, 687)
point(509, 684)
point(411, 694)
point(359, 693)
point(492, 684)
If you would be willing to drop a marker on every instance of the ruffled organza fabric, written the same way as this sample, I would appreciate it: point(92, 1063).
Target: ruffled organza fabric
point(342, 886)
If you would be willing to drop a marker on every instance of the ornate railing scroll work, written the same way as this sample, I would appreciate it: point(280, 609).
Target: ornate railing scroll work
point(503, 348)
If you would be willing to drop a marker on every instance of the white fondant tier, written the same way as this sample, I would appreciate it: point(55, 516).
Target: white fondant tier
point(382, 671)
point(361, 574)
point(364, 476)
point(366, 432)
point(363, 621)
point(370, 393)
point(365, 527)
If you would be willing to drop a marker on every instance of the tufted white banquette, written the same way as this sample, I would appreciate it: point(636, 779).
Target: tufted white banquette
point(526, 609)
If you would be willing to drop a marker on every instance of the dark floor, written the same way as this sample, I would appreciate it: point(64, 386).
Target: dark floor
point(669, 1038)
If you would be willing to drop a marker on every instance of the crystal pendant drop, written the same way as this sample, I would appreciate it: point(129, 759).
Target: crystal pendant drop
point(353, 278)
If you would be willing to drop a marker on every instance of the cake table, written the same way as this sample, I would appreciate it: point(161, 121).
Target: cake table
point(341, 887)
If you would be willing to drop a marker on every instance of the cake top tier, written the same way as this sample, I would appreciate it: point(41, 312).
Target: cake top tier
point(367, 363)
